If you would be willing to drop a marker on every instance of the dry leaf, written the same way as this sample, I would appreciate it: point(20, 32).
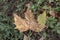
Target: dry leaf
point(25, 37)
point(41, 38)
point(52, 13)
point(28, 23)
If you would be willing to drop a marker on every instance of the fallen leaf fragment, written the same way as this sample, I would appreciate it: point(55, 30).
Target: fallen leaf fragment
point(21, 24)
point(25, 37)
point(52, 13)
point(41, 38)
point(42, 18)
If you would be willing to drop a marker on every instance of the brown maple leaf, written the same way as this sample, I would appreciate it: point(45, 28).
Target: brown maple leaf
point(28, 23)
